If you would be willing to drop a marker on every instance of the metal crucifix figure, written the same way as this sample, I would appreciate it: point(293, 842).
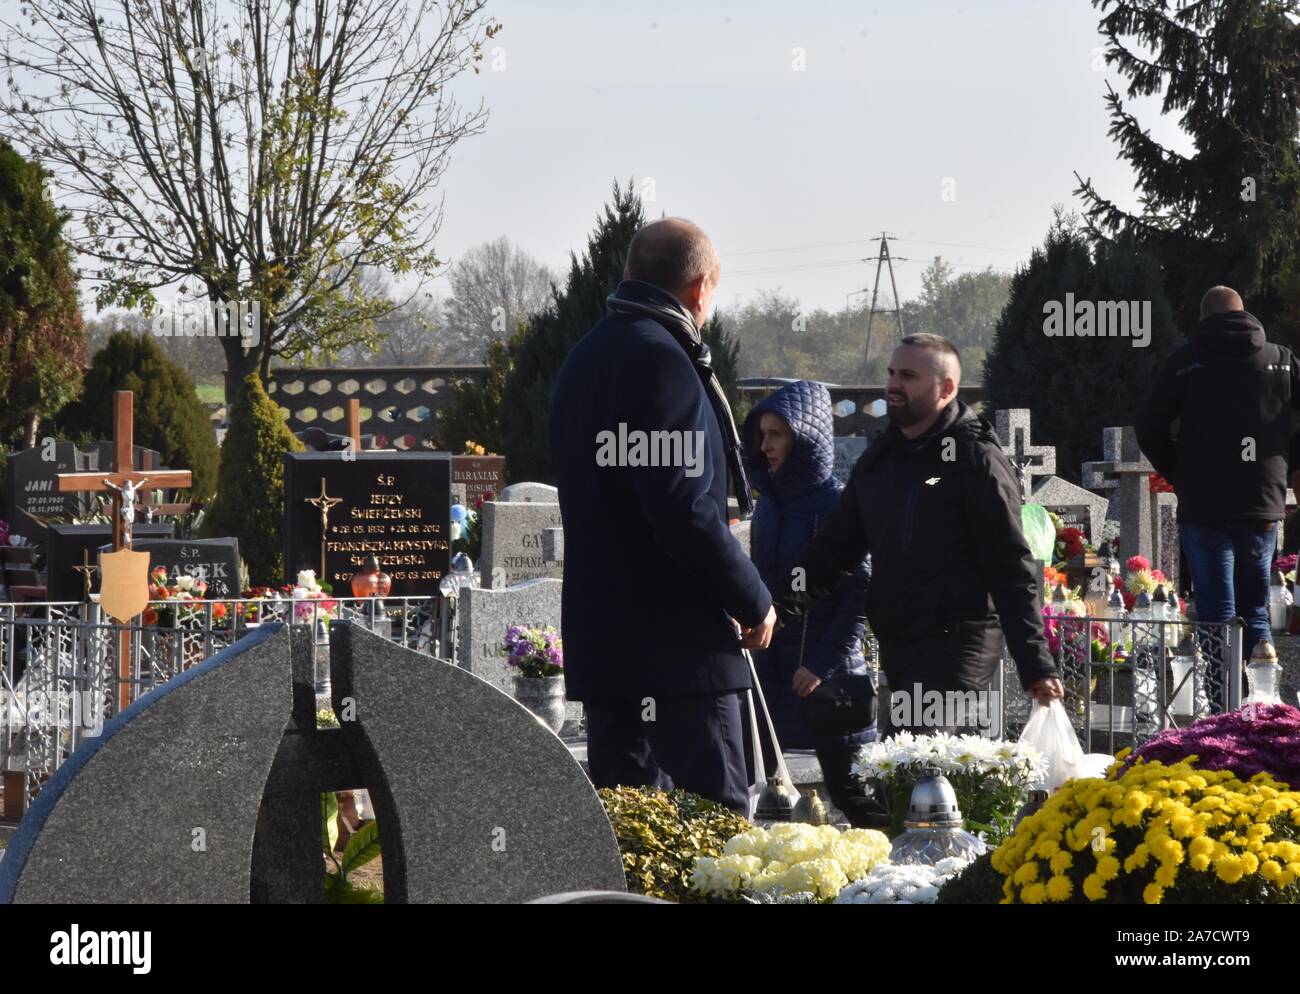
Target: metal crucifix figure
point(128, 489)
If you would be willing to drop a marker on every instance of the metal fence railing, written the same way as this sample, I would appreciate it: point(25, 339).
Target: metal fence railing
point(1125, 680)
point(61, 675)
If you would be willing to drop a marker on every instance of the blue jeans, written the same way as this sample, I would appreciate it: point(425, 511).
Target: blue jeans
point(1230, 563)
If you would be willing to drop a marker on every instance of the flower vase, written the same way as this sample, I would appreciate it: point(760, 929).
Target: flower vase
point(544, 697)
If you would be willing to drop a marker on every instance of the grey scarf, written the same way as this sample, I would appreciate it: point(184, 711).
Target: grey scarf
point(636, 297)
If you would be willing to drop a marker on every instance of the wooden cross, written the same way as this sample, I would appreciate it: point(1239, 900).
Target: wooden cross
point(354, 423)
point(123, 468)
point(122, 471)
point(325, 503)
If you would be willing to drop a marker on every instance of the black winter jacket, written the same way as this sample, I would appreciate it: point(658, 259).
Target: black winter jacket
point(940, 515)
point(1230, 392)
point(652, 574)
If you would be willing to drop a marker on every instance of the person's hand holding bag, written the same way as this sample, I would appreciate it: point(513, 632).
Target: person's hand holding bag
point(1050, 732)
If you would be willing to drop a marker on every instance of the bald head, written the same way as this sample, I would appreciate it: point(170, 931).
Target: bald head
point(1219, 300)
point(671, 254)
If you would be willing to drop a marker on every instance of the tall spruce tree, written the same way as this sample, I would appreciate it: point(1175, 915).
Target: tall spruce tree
point(1229, 211)
point(525, 434)
point(250, 491)
point(1076, 386)
point(42, 341)
point(168, 415)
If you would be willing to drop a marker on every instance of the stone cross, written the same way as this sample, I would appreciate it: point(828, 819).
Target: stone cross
point(1012, 429)
point(1126, 471)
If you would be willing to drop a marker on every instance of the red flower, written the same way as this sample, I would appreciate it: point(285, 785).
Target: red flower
point(1129, 600)
point(1073, 539)
point(1159, 485)
point(1136, 563)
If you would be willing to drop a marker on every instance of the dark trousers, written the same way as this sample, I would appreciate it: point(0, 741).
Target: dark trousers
point(694, 743)
point(1230, 564)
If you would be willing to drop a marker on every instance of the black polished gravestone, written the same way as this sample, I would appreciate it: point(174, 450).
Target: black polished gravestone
point(65, 545)
point(32, 487)
point(212, 560)
point(395, 506)
point(215, 779)
point(143, 458)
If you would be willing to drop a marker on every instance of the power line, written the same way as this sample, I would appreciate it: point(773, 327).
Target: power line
point(872, 241)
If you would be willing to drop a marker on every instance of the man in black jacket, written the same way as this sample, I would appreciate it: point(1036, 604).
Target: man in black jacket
point(1229, 391)
point(936, 503)
point(655, 585)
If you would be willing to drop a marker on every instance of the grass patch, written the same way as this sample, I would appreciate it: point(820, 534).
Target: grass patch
point(211, 393)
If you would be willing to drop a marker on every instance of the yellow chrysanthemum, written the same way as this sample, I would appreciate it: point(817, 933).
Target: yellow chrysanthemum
point(1199, 863)
point(1034, 894)
point(1165, 875)
point(1061, 862)
point(1152, 893)
point(1229, 868)
point(1093, 888)
point(1138, 858)
point(1059, 888)
point(1270, 871)
point(1108, 868)
point(1027, 874)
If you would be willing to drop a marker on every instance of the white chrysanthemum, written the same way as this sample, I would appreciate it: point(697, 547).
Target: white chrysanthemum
point(749, 843)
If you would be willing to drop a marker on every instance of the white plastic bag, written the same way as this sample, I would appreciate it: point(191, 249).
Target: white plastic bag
point(1050, 732)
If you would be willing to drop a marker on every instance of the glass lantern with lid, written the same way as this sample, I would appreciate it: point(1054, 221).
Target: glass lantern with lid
point(933, 828)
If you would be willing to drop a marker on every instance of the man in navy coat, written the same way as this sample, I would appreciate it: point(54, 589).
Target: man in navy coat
point(655, 585)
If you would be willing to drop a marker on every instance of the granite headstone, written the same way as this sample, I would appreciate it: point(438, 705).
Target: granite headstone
point(1077, 507)
point(65, 545)
point(162, 807)
point(539, 493)
point(213, 560)
point(32, 487)
point(473, 477)
point(1012, 430)
point(1126, 471)
point(476, 801)
point(484, 616)
point(395, 506)
point(514, 542)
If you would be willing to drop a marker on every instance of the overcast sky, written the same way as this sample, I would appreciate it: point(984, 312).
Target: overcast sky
point(794, 173)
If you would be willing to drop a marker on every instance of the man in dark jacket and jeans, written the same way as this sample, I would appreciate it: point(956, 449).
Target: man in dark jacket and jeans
point(936, 503)
point(1230, 392)
point(655, 585)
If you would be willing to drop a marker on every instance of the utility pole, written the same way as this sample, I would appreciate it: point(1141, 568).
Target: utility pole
point(881, 260)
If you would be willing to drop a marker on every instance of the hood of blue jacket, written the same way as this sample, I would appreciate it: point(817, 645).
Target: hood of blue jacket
point(806, 407)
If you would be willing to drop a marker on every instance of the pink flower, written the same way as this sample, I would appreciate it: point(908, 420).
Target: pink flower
point(1136, 563)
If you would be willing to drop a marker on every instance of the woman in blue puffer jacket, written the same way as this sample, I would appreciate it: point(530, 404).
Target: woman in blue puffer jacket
point(790, 452)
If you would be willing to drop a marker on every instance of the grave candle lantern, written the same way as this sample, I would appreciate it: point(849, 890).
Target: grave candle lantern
point(365, 581)
point(933, 826)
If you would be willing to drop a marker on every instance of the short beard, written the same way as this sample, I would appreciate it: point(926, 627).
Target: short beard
point(904, 415)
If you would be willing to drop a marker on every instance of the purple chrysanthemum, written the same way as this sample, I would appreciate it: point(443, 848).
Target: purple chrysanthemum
point(1263, 738)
